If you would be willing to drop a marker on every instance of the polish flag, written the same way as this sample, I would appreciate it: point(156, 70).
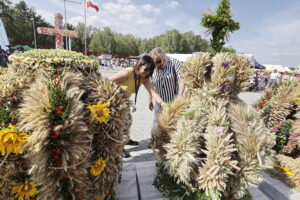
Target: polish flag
point(90, 3)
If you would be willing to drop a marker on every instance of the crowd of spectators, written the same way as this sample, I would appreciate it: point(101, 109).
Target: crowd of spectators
point(4, 55)
point(262, 79)
point(117, 63)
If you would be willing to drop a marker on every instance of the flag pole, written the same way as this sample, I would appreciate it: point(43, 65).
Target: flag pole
point(65, 24)
point(85, 39)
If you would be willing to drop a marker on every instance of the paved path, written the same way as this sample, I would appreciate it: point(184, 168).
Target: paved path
point(143, 119)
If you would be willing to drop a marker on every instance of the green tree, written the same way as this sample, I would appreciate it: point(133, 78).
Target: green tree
point(18, 21)
point(126, 44)
point(103, 41)
point(174, 41)
point(228, 49)
point(78, 44)
point(147, 44)
point(220, 25)
point(6, 16)
point(195, 43)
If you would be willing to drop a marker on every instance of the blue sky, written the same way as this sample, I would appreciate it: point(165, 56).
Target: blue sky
point(270, 29)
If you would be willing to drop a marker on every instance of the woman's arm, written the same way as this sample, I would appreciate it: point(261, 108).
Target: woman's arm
point(151, 106)
point(120, 77)
point(181, 86)
point(150, 88)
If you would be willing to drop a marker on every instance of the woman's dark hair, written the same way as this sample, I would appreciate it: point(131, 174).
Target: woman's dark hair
point(148, 61)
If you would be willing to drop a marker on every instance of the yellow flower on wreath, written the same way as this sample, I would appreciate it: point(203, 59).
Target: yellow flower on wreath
point(11, 141)
point(99, 112)
point(97, 198)
point(286, 170)
point(25, 190)
point(98, 168)
point(297, 100)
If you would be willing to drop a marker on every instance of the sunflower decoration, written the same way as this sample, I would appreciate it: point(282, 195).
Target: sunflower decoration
point(98, 168)
point(99, 112)
point(97, 198)
point(25, 190)
point(11, 141)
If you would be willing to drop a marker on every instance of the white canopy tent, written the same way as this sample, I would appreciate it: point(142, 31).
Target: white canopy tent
point(279, 68)
point(180, 57)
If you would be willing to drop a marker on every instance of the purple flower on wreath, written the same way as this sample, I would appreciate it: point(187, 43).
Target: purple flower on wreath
point(223, 88)
point(230, 78)
point(292, 143)
point(226, 64)
point(275, 129)
point(219, 131)
point(252, 124)
point(188, 122)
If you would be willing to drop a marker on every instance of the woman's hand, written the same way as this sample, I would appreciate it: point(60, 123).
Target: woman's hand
point(150, 88)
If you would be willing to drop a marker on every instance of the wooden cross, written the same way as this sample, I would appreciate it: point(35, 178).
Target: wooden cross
point(58, 31)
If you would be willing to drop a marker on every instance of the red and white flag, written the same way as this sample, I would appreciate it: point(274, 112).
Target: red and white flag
point(90, 3)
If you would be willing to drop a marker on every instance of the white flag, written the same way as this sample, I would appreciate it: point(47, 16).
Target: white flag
point(3, 37)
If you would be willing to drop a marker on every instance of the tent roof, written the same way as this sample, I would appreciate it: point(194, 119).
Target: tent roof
point(180, 57)
point(279, 68)
point(25, 47)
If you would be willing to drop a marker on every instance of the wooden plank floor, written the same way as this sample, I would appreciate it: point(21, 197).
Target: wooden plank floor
point(137, 182)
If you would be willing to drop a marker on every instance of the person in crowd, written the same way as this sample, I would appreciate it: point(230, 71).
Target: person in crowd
point(262, 80)
point(109, 65)
point(18, 50)
point(3, 58)
point(8, 52)
point(274, 78)
point(256, 81)
point(285, 77)
point(131, 78)
point(253, 85)
point(21, 49)
point(167, 81)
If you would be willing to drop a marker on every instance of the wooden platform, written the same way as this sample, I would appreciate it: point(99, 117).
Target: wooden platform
point(137, 182)
point(138, 177)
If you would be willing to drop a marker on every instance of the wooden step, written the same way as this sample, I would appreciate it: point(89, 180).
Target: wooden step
point(127, 188)
point(138, 177)
point(276, 189)
point(146, 172)
point(257, 194)
point(137, 182)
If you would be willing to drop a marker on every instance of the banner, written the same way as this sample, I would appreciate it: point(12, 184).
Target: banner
point(3, 37)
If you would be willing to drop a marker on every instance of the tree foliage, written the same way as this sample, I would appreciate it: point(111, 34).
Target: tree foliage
point(20, 20)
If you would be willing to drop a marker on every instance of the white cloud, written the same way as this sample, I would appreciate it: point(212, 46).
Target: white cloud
point(76, 20)
point(124, 1)
point(277, 40)
point(145, 20)
point(138, 20)
point(150, 8)
point(49, 17)
point(172, 4)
